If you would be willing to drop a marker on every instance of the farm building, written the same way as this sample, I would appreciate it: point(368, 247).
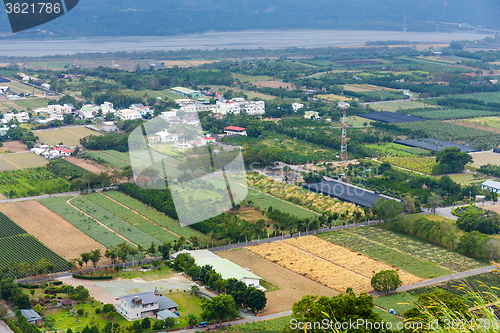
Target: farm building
point(235, 130)
point(32, 317)
point(311, 115)
point(343, 105)
point(226, 268)
point(186, 92)
point(491, 186)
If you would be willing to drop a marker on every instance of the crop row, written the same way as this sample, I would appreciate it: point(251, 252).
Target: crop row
point(26, 248)
point(8, 228)
point(87, 225)
point(115, 223)
point(131, 217)
point(419, 164)
point(387, 254)
point(30, 182)
point(153, 214)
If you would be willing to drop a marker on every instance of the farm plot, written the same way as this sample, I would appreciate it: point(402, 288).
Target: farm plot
point(387, 254)
point(399, 105)
point(292, 286)
point(365, 87)
point(389, 117)
point(419, 164)
point(334, 98)
point(49, 228)
point(132, 217)
point(30, 182)
point(26, 248)
point(394, 149)
point(115, 223)
point(69, 137)
point(153, 214)
point(432, 144)
point(25, 160)
point(488, 97)
point(8, 227)
point(446, 114)
point(312, 267)
point(264, 201)
point(348, 259)
point(6, 166)
point(453, 133)
point(484, 158)
point(97, 169)
point(87, 225)
point(113, 161)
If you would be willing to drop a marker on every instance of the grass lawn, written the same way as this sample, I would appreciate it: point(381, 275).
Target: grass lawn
point(400, 302)
point(394, 149)
point(187, 304)
point(466, 179)
point(387, 317)
point(266, 326)
point(153, 275)
point(356, 121)
point(248, 78)
point(63, 319)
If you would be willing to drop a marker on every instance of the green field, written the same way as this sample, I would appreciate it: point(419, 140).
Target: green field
point(19, 246)
point(81, 221)
point(113, 161)
point(411, 162)
point(59, 65)
point(18, 88)
point(132, 218)
point(32, 103)
point(400, 105)
point(68, 136)
point(446, 114)
point(25, 160)
point(247, 78)
point(264, 201)
point(114, 222)
point(400, 302)
point(153, 214)
point(394, 149)
point(466, 179)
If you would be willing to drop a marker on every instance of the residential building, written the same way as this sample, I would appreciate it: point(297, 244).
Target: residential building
point(3, 89)
point(186, 92)
point(162, 315)
point(182, 144)
point(32, 317)
point(491, 186)
point(343, 105)
point(107, 107)
point(235, 130)
point(56, 116)
point(165, 303)
point(13, 97)
point(137, 306)
point(183, 101)
point(311, 115)
point(109, 126)
point(64, 109)
point(297, 106)
point(45, 86)
point(88, 111)
point(164, 136)
point(128, 114)
point(21, 117)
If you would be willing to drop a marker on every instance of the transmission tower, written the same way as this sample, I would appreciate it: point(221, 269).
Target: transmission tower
point(343, 147)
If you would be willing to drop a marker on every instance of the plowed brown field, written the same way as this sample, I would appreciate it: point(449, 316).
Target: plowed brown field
point(50, 229)
point(292, 286)
point(312, 267)
point(346, 258)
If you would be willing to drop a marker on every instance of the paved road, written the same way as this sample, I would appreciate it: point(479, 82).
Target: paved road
point(4, 328)
point(301, 234)
point(442, 279)
point(43, 196)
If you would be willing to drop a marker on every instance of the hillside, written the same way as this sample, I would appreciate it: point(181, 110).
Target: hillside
point(158, 17)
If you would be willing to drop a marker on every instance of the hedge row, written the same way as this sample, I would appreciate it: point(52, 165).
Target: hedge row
point(91, 277)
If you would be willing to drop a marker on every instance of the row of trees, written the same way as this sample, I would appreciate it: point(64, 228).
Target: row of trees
point(249, 297)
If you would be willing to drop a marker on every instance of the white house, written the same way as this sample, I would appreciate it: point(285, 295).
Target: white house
point(88, 111)
point(128, 114)
point(64, 109)
point(164, 136)
point(137, 306)
point(297, 106)
point(22, 117)
point(235, 130)
point(182, 144)
point(343, 105)
point(107, 107)
point(491, 186)
point(3, 89)
point(56, 116)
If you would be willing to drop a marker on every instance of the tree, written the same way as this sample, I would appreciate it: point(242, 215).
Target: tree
point(195, 290)
point(219, 308)
point(387, 209)
point(452, 160)
point(137, 327)
point(192, 319)
point(255, 299)
point(386, 281)
point(95, 256)
point(39, 309)
point(475, 219)
point(146, 324)
point(236, 289)
point(169, 322)
point(434, 202)
point(159, 324)
point(69, 119)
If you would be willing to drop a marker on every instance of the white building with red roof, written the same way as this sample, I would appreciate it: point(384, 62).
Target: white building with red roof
point(235, 130)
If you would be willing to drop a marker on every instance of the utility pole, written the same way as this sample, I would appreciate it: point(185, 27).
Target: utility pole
point(343, 147)
point(404, 27)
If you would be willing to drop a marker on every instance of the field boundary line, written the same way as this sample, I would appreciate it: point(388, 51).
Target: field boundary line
point(69, 131)
point(105, 226)
point(6, 160)
point(394, 249)
point(329, 261)
point(146, 218)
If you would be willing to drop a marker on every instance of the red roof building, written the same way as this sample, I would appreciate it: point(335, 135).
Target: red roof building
point(235, 130)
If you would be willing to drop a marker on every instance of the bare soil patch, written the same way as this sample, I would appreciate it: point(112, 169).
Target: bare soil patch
point(273, 84)
point(15, 146)
point(292, 286)
point(474, 125)
point(50, 229)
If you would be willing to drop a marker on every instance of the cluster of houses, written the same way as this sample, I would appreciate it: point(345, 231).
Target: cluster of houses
point(51, 153)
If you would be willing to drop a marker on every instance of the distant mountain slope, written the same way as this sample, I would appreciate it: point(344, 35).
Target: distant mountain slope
point(160, 17)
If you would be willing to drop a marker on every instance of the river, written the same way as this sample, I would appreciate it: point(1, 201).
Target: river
point(267, 39)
